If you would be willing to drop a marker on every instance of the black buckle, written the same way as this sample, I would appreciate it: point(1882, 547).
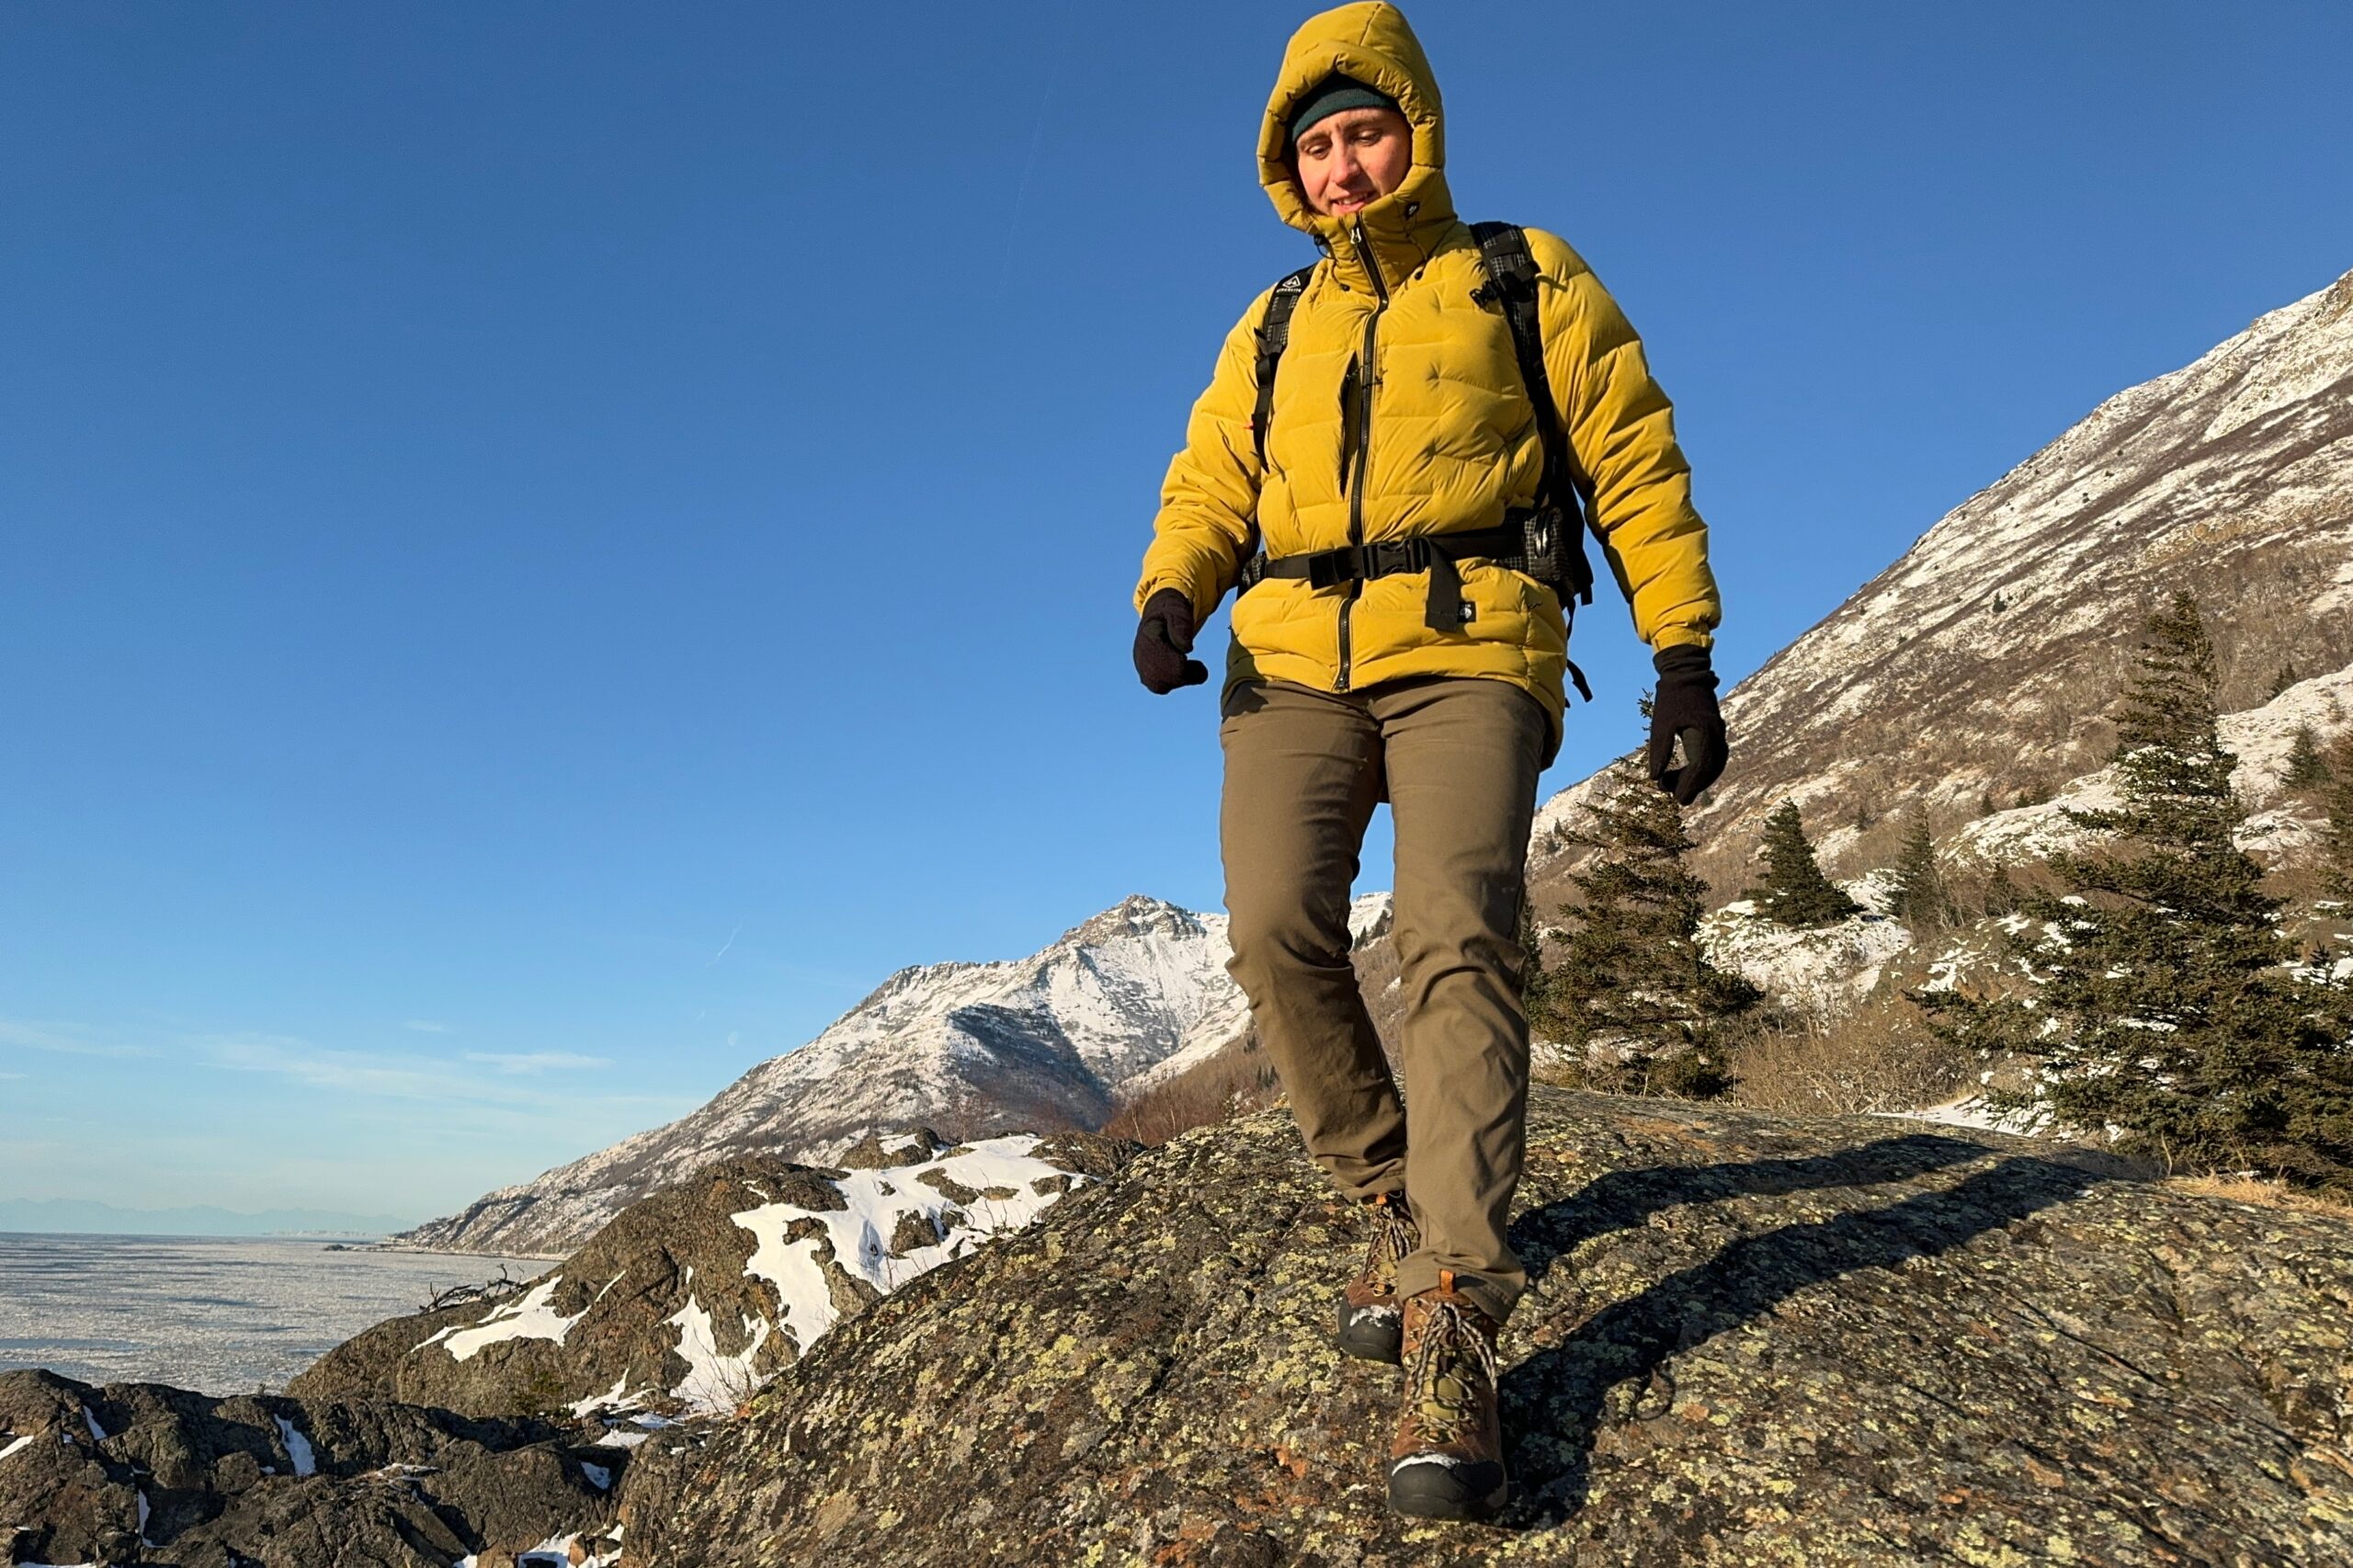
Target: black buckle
point(1396, 555)
point(1330, 568)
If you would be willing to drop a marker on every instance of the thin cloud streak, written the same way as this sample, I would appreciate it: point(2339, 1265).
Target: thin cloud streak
point(425, 1026)
point(364, 1073)
point(60, 1040)
point(538, 1060)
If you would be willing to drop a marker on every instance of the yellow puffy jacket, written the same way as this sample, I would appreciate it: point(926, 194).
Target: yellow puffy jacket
point(1449, 439)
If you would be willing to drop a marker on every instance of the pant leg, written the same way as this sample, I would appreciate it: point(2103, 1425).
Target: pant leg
point(1463, 754)
point(1302, 778)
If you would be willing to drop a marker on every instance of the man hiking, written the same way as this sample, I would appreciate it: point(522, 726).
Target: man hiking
point(1387, 466)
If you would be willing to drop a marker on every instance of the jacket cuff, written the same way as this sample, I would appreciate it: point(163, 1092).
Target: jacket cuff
point(1681, 636)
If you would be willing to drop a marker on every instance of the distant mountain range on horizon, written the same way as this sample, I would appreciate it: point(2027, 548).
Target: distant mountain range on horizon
point(78, 1216)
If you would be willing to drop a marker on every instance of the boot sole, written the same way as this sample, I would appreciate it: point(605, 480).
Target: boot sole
point(1450, 1489)
point(1370, 1336)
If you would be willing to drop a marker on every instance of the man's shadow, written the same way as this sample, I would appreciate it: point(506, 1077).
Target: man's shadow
point(1559, 1392)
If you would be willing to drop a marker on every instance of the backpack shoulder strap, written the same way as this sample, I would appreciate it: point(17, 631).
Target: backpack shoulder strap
point(1511, 274)
point(1274, 335)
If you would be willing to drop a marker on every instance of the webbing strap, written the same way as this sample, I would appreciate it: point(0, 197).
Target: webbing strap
point(1274, 335)
point(1434, 553)
point(1511, 273)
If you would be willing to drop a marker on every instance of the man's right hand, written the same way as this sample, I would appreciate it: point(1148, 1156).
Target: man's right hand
point(1163, 639)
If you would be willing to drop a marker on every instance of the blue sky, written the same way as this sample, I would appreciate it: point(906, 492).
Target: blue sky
point(545, 549)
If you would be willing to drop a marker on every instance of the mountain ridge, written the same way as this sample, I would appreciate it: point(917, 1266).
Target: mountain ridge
point(1033, 1044)
point(1983, 660)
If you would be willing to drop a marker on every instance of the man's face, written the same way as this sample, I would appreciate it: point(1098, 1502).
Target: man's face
point(1349, 160)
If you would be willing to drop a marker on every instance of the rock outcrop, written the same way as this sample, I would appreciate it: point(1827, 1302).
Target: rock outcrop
point(1748, 1341)
point(693, 1297)
point(141, 1473)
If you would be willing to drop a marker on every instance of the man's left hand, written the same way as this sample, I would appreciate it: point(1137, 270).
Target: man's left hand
point(1685, 709)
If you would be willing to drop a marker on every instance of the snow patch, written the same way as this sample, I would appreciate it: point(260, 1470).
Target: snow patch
point(1822, 970)
point(715, 1380)
point(1970, 1111)
point(298, 1448)
point(858, 1236)
point(617, 1395)
point(529, 1317)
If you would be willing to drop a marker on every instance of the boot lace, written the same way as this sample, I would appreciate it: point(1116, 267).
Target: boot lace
point(1446, 1400)
point(1393, 1237)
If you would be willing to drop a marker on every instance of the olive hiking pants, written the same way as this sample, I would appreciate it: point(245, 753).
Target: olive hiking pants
point(1458, 756)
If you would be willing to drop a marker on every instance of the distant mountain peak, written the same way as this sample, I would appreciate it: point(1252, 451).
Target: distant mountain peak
point(1035, 1043)
point(1138, 914)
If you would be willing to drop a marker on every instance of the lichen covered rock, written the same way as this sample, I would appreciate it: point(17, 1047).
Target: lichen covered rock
point(1749, 1341)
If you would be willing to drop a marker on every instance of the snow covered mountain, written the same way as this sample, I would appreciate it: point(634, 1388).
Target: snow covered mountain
point(970, 1049)
point(1981, 663)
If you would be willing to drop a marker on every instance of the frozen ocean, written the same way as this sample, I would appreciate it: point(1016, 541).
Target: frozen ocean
point(221, 1315)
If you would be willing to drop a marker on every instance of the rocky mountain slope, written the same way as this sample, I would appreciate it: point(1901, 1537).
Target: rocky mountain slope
point(1980, 663)
point(691, 1299)
point(971, 1048)
point(1750, 1341)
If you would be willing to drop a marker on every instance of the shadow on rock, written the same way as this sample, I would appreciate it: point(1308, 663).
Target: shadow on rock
point(1561, 1391)
point(1624, 1199)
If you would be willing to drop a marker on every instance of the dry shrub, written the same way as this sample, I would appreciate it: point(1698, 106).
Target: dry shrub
point(1881, 1057)
point(2265, 1194)
point(1240, 1077)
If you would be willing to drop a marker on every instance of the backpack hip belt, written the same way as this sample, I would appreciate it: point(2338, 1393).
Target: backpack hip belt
point(1525, 544)
point(1529, 543)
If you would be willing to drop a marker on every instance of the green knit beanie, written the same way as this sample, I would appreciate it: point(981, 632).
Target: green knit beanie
point(1331, 96)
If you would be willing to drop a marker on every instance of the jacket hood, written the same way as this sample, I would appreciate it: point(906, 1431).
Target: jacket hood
point(1372, 42)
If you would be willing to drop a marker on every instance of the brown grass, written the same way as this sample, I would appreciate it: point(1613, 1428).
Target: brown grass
point(1238, 1079)
point(2265, 1194)
point(1881, 1057)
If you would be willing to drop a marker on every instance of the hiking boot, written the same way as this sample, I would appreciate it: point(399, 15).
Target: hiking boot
point(1371, 1318)
point(1446, 1461)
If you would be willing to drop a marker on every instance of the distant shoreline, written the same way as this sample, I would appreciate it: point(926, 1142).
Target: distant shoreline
point(321, 1239)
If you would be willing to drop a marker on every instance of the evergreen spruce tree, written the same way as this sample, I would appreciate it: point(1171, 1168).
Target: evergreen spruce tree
point(2284, 678)
point(2001, 893)
point(1921, 900)
point(2307, 768)
point(2339, 839)
point(1536, 979)
point(1795, 892)
point(2166, 1006)
point(1632, 983)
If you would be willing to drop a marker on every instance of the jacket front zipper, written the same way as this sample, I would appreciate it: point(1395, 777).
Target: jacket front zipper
point(1364, 436)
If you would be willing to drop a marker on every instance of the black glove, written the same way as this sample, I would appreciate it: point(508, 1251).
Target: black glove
point(1684, 709)
point(1163, 639)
